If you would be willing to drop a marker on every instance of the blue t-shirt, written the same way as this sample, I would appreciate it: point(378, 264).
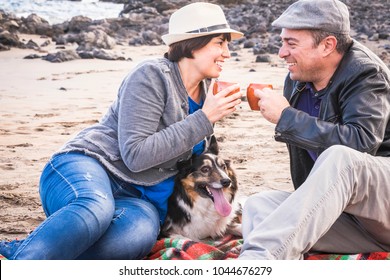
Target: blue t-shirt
point(159, 194)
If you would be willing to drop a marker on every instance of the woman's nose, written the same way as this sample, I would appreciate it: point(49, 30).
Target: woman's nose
point(226, 51)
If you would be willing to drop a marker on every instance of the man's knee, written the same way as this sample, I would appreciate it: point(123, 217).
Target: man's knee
point(340, 154)
point(265, 202)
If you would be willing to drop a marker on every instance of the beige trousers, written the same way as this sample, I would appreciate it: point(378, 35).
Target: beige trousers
point(342, 207)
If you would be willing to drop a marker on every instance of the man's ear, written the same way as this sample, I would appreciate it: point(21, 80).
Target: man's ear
point(329, 45)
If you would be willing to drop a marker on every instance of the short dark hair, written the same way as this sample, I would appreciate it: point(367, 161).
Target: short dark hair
point(344, 41)
point(182, 49)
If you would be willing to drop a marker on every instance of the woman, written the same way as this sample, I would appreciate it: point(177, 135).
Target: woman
point(105, 192)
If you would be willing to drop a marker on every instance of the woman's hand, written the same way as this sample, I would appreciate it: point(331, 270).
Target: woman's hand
point(220, 105)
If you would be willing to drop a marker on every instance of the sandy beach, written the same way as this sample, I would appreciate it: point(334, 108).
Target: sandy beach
point(44, 104)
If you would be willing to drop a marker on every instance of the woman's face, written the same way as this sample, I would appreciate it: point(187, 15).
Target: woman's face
point(208, 61)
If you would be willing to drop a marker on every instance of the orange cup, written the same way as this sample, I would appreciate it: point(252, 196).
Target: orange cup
point(250, 95)
point(219, 85)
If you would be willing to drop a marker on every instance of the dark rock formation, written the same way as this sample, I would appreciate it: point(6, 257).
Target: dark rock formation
point(142, 22)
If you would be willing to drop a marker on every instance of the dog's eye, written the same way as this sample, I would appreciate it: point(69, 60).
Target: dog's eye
point(222, 165)
point(205, 169)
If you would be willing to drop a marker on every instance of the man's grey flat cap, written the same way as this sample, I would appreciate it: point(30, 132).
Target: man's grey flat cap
point(326, 15)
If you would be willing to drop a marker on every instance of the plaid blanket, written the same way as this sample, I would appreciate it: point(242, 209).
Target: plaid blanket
point(229, 247)
point(367, 256)
point(226, 248)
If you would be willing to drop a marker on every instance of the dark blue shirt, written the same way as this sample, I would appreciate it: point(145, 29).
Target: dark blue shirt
point(309, 102)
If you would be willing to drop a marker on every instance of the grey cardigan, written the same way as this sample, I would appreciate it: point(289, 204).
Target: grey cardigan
point(147, 129)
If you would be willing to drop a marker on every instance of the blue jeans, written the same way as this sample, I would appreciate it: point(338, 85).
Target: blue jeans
point(90, 215)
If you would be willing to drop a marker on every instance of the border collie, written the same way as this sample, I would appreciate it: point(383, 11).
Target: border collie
point(203, 201)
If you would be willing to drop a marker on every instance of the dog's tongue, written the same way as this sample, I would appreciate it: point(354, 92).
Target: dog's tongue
point(222, 206)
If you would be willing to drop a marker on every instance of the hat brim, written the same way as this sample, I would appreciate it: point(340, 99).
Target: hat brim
point(169, 39)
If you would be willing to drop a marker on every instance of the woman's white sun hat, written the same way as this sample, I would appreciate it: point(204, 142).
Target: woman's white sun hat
point(196, 20)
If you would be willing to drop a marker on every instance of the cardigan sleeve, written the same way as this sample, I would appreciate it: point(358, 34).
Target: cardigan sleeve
point(153, 122)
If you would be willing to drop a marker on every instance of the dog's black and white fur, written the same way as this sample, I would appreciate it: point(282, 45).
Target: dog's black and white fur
point(203, 201)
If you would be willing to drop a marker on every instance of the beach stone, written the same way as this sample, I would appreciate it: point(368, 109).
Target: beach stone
point(263, 58)
point(97, 39)
point(45, 43)
point(34, 24)
point(61, 56)
point(10, 39)
point(249, 44)
point(79, 24)
point(32, 45)
point(4, 48)
point(11, 26)
point(32, 56)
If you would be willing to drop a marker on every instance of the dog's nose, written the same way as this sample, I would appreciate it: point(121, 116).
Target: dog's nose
point(225, 182)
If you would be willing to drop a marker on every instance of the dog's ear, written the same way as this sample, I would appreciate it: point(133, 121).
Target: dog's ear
point(213, 148)
point(183, 165)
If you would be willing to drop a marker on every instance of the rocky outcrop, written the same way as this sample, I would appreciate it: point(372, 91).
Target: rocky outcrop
point(142, 22)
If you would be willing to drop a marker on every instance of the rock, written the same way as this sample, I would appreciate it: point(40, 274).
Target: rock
point(34, 24)
point(4, 48)
point(263, 58)
point(61, 56)
point(98, 54)
point(97, 39)
point(10, 39)
point(32, 45)
point(32, 56)
point(79, 24)
point(45, 44)
point(249, 44)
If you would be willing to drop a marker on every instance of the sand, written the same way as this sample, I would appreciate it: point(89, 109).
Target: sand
point(44, 104)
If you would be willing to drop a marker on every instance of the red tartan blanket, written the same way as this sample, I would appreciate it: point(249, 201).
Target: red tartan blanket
point(229, 247)
point(225, 248)
point(367, 256)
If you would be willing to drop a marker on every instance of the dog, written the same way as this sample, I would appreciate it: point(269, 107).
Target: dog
point(202, 204)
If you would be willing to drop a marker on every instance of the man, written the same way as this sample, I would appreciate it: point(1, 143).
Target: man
point(334, 118)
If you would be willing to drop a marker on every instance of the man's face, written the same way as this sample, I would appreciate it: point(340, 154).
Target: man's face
point(304, 60)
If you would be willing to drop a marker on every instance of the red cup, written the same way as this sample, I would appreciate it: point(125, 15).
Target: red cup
point(220, 85)
point(250, 95)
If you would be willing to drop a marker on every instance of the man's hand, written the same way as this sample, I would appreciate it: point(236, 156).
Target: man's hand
point(271, 104)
